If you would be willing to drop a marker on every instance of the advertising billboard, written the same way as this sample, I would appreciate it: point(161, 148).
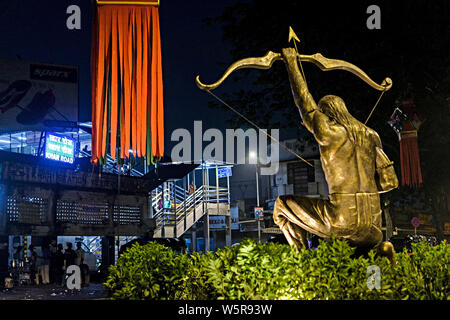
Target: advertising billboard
point(31, 93)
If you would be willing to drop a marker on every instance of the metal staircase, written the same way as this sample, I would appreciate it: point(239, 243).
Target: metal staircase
point(186, 209)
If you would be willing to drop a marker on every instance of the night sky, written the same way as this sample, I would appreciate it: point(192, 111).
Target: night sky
point(36, 31)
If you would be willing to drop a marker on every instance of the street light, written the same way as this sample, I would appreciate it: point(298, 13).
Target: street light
point(252, 155)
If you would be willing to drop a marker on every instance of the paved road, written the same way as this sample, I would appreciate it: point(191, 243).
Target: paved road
point(54, 292)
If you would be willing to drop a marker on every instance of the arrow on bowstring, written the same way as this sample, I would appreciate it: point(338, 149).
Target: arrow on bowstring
point(293, 37)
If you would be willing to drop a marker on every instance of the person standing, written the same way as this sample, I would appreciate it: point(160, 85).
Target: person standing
point(52, 261)
point(18, 257)
point(79, 260)
point(33, 259)
point(44, 267)
point(59, 265)
point(160, 203)
point(69, 255)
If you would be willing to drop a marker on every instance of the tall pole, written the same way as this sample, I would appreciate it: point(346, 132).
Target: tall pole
point(228, 236)
point(206, 215)
point(217, 196)
point(257, 187)
point(257, 203)
point(163, 211)
point(185, 179)
point(195, 189)
point(194, 227)
point(217, 187)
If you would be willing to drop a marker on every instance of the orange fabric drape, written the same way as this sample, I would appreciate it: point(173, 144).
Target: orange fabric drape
point(127, 92)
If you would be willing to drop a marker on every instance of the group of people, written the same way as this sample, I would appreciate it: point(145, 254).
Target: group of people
point(50, 264)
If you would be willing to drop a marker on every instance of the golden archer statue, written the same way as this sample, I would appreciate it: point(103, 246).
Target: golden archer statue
point(355, 166)
point(350, 153)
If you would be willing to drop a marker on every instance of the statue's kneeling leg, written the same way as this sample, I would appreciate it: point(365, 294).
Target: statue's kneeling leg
point(295, 235)
point(383, 248)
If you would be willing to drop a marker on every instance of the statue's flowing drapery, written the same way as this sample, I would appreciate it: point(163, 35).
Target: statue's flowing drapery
point(127, 88)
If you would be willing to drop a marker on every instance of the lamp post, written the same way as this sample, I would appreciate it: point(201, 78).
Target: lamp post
point(253, 155)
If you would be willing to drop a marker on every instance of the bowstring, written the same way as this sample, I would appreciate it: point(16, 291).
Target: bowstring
point(255, 125)
point(373, 109)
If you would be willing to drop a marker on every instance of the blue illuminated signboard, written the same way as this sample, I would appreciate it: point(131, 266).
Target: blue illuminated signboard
point(224, 172)
point(59, 148)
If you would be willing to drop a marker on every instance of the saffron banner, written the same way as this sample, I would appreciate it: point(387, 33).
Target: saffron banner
point(127, 89)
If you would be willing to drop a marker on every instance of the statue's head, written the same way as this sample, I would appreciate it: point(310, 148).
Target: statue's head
point(333, 106)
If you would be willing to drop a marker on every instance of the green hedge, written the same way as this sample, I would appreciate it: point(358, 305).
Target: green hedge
point(148, 272)
point(275, 271)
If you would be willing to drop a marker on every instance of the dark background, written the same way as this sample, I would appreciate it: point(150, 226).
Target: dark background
point(36, 31)
point(410, 47)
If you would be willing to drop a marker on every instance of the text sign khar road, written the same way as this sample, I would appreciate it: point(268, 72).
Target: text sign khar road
point(224, 172)
point(59, 148)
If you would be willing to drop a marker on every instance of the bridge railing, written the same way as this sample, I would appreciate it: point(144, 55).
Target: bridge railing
point(185, 203)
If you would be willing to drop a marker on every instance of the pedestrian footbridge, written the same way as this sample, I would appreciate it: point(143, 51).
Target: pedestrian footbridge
point(176, 210)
